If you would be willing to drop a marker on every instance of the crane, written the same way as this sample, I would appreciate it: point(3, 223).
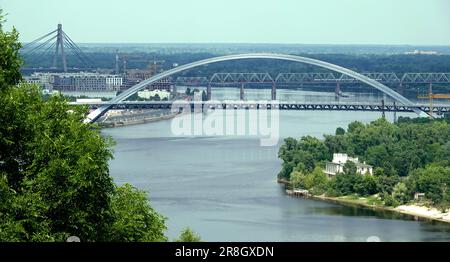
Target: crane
point(430, 96)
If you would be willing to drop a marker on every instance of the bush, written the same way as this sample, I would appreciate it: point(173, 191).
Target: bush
point(187, 235)
point(389, 200)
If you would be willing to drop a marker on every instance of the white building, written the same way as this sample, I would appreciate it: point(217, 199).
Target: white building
point(77, 82)
point(339, 160)
point(147, 94)
point(41, 79)
point(421, 52)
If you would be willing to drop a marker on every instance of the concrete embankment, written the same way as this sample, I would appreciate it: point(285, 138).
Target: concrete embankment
point(135, 119)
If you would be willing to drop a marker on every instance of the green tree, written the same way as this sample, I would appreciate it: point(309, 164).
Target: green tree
point(344, 183)
point(350, 168)
point(400, 193)
point(188, 235)
point(370, 184)
point(387, 183)
point(156, 98)
point(434, 182)
point(340, 131)
point(134, 218)
point(54, 176)
point(318, 181)
point(297, 179)
point(10, 61)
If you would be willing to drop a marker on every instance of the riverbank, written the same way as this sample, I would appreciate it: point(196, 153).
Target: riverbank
point(415, 210)
point(126, 121)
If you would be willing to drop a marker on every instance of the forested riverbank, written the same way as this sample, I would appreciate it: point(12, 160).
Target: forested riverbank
point(410, 160)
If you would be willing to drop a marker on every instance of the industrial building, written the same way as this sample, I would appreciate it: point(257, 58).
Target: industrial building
point(77, 82)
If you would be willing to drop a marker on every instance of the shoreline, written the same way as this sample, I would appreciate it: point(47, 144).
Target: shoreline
point(416, 211)
point(138, 121)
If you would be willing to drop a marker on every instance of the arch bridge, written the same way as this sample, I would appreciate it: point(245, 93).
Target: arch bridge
point(93, 116)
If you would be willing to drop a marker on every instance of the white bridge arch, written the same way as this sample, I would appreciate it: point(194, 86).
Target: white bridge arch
point(93, 116)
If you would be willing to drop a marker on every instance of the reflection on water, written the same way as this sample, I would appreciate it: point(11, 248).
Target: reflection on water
point(225, 187)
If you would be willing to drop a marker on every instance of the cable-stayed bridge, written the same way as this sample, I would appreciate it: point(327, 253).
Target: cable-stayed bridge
point(56, 44)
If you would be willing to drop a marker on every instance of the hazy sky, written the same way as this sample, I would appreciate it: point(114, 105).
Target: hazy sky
point(416, 22)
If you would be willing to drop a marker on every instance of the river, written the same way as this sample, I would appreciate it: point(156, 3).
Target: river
point(224, 187)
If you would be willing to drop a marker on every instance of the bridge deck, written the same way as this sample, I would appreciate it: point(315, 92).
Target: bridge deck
point(281, 105)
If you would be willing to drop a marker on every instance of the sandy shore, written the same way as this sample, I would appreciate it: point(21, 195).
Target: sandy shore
point(412, 210)
point(426, 212)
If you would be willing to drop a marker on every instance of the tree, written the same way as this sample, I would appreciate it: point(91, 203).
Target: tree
point(344, 183)
point(350, 168)
point(156, 98)
point(297, 179)
point(340, 131)
point(386, 183)
point(400, 193)
point(286, 170)
point(54, 176)
point(10, 61)
point(318, 180)
point(287, 149)
point(187, 235)
point(370, 184)
point(315, 147)
point(434, 182)
point(134, 218)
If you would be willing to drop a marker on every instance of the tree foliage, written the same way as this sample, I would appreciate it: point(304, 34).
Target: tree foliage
point(410, 156)
point(54, 174)
point(188, 235)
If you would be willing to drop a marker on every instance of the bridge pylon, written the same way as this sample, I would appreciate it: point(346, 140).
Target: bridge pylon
point(55, 45)
point(60, 46)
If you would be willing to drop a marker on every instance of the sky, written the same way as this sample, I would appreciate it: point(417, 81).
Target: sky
point(398, 22)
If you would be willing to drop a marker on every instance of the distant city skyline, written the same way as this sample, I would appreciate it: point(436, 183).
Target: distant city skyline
point(379, 22)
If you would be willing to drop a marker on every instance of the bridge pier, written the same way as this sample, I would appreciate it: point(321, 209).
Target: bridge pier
point(400, 89)
point(430, 94)
point(174, 90)
point(241, 93)
point(274, 91)
point(395, 112)
point(337, 90)
point(208, 92)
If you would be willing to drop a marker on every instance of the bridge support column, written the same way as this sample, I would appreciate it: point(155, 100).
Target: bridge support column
point(208, 92)
point(337, 90)
point(430, 95)
point(400, 88)
point(395, 112)
point(383, 113)
point(274, 91)
point(174, 90)
point(241, 93)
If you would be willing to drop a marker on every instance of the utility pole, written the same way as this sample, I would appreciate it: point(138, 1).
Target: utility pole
point(60, 44)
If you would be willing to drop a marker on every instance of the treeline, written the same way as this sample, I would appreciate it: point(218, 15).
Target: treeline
point(359, 63)
point(411, 156)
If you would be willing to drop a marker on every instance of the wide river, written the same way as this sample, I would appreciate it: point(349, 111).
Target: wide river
point(224, 187)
